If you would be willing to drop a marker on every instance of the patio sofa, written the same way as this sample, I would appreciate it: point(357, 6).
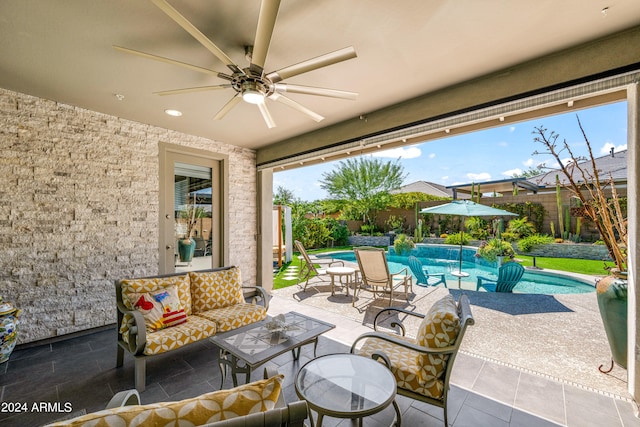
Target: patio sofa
point(162, 313)
point(257, 404)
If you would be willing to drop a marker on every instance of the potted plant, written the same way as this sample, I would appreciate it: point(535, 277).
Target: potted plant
point(187, 245)
point(403, 244)
point(600, 204)
point(495, 250)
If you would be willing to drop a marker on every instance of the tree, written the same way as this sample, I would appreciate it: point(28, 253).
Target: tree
point(283, 196)
point(365, 183)
point(531, 172)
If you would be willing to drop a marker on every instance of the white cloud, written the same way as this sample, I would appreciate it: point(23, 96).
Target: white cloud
point(444, 178)
point(528, 163)
point(512, 172)
point(606, 148)
point(512, 129)
point(479, 177)
point(503, 144)
point(403, 152)
point(432, 155)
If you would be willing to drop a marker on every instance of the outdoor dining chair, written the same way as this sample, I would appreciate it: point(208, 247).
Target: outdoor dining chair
point(375, 276)
point(423, 277)
point(311, 266)
point(509, 274)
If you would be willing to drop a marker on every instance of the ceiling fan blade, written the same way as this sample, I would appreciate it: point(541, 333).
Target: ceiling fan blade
point(266, 23)
point(173, 62)
point(191, 89)
point(266, 116)
point(293, 104)
point(227, 107)
point(196, 34)
point(320, 91)
point(313, 64)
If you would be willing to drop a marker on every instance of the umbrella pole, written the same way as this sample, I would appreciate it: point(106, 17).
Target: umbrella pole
point(460, 267)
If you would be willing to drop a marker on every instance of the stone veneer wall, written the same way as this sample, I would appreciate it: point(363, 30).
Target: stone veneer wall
point(79, 200)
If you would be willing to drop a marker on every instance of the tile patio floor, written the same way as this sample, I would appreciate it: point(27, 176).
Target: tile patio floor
point(82, 371)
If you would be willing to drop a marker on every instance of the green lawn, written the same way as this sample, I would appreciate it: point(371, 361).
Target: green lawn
point(583, 266)
point(279, 281)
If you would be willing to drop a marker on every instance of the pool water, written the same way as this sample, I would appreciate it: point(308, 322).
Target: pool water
point(533, 281)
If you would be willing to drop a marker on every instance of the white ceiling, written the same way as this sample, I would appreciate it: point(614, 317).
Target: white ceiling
point(62, 50)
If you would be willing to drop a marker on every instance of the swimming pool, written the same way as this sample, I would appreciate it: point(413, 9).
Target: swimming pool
point(533, 281)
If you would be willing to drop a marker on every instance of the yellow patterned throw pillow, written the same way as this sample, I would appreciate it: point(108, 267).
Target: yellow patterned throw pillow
point(439, 328)
point(161, 309)
point(219, 405)
point(216, 289)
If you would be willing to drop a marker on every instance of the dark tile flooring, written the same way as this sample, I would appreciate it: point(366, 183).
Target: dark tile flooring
point(67, 378)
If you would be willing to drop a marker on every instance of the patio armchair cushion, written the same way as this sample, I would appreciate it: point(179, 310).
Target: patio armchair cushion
point(439, 328)
point(216, 289)
point(259, 396)
point(403, 361)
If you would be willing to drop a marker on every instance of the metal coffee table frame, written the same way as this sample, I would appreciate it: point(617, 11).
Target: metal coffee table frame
point(244, 349)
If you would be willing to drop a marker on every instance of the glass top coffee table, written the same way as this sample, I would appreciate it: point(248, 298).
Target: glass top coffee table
point(248, 347)
point(346, 386)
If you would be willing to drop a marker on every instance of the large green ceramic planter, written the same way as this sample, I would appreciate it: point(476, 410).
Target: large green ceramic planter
point(612, 302)
point(185, 249)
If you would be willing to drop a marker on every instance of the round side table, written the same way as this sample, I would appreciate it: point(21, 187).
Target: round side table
point(346, 386)
point(340, 272)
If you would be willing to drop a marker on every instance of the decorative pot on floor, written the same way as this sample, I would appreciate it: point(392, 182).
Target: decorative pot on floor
point(611, 292)
point(185, 249)
point(8, 329)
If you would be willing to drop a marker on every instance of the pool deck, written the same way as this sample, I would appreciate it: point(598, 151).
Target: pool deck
point(553, 336)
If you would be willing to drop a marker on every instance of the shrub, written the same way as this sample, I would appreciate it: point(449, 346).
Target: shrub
point(339, 231)
point(509, 237)
point(494, 248)
point(477, 227)
point(444, 235)
point(521, 227)
point(403, 244)
point(530, 242)
point(455, 239)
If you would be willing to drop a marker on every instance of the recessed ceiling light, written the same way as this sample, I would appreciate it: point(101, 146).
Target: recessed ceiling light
point(174, 113)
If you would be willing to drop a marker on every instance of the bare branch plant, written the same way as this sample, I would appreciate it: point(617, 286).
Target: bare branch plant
point(586, 184)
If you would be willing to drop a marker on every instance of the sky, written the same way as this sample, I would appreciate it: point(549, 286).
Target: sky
point(478, 157)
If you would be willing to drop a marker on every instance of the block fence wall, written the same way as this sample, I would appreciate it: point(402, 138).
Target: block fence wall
point(79, 200)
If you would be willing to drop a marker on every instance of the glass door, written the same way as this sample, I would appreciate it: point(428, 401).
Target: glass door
point(193, 215)
point(190, 227)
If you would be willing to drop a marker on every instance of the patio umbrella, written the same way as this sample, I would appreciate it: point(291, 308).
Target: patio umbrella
point(465, 208)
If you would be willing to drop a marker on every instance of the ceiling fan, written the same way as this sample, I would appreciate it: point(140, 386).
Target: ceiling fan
point(252, 84)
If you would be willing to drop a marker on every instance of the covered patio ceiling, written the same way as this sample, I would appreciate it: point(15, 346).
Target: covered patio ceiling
point(416, 60)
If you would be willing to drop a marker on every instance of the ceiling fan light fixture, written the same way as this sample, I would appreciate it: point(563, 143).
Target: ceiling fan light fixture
point(251, 93)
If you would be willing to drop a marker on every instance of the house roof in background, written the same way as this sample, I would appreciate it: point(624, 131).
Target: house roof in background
point(612, 165)
point(430, 188)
